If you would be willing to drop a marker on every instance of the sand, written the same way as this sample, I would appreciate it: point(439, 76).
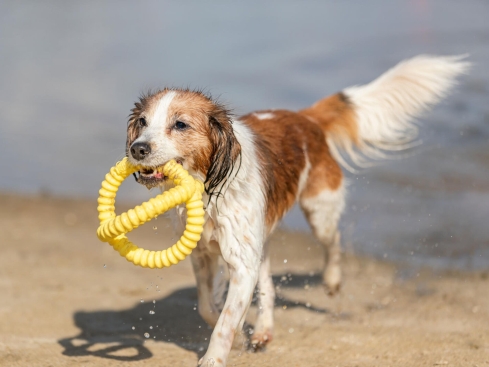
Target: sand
point(68, 300)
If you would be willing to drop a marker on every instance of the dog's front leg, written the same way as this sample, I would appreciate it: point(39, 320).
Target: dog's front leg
point(244, 262)
point(266, 299)
point(205, 267)
point(241, 287)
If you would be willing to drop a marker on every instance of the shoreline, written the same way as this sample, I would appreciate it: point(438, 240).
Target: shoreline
point(443, 266)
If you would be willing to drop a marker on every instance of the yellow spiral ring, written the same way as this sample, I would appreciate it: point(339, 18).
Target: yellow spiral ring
point(113, 228)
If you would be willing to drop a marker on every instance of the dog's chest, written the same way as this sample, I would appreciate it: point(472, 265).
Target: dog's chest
point(210, 236)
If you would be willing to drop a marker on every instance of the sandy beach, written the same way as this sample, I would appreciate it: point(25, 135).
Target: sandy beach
point(68, 300)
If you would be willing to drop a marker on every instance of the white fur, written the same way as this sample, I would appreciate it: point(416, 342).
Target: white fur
point(386, 108)
point(236, 222)
point(323, 212)
point(264, 115)
point(160, 117)
point(241, 198)
point(163, 148)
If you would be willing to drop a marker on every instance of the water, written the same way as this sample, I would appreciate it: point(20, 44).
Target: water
point(70, 72)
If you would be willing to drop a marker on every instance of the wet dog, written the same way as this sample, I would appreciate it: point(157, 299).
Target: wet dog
point(257, 166)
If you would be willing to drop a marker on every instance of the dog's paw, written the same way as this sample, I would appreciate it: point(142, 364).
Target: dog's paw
point(332, 280)
point(212, 362)
point(259, 340)
point(208, 362)
point(332, 290)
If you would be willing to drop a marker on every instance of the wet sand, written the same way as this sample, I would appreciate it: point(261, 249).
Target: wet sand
point(67, 299)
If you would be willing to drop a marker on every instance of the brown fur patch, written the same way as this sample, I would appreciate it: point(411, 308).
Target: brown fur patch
point(193, 143)
point(284, 141)
point(335, 115)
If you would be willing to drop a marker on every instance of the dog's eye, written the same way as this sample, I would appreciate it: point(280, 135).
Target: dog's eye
point(180, 125)
point(142, 122)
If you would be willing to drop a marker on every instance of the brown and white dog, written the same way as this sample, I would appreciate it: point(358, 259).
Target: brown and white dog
point(257, 166)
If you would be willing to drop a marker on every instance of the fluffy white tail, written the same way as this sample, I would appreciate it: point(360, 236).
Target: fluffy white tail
point(384, 110)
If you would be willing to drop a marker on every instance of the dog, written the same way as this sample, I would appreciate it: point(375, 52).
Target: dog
point(256, 167)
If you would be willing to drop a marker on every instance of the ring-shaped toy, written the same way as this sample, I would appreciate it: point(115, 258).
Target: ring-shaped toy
point(113, 228)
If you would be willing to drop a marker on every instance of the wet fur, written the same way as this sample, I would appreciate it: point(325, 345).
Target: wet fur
point(256, 167)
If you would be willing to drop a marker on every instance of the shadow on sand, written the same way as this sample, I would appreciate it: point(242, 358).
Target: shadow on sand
point(120, 335)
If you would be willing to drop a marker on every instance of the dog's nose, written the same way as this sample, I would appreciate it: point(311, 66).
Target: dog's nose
point(139, 151)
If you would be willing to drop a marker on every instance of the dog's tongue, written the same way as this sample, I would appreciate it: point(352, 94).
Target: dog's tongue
point(158, 174)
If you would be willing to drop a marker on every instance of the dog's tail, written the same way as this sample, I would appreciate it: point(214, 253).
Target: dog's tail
point(368, 121)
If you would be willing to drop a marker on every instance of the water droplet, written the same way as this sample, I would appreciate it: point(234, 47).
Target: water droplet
point(134, 328)
point(151, 312)
point(155, 228)
point(291, 330)
point(285, 261)
point(151, 327)
point(195, 308)
point(308, 304)
point(142, 300)
point(146, 335)
point(201, 349)
point(105, 265)
point(154, 301)
point(251, 331)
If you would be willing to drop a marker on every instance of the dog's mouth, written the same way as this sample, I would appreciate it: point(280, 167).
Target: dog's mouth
point(152, 176)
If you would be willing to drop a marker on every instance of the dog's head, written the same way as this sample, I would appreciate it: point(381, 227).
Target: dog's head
point(184, 125)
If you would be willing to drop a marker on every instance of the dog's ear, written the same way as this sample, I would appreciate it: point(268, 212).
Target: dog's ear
point(133, 126)
point(225, 149)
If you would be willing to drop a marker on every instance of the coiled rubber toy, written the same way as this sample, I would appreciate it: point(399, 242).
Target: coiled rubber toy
point(113, 228)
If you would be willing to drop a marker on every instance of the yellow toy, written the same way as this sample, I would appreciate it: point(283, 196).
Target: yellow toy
point(113, 228)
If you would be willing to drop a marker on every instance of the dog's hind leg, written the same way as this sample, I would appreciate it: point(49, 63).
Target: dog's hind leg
point(323, 209)
point(263, 332)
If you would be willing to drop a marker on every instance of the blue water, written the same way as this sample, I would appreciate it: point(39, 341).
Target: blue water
point(70, 72)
